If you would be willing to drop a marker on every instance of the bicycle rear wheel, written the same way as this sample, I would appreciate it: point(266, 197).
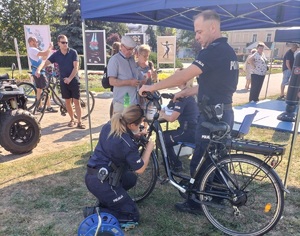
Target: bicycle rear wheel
point(257, 201)
point(146, 181)
point(30, 93)
point(84, 103)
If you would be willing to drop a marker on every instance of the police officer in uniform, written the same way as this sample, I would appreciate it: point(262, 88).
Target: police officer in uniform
point(186, 112)
point(110, 170)
point(217, 69)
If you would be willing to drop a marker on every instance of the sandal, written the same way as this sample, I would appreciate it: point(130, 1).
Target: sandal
point(80, 125)
point(71, 123)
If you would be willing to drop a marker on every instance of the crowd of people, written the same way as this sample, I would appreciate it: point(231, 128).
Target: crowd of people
point(131, 73)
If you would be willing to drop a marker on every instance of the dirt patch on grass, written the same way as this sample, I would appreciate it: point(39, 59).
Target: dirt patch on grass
point(56, 135)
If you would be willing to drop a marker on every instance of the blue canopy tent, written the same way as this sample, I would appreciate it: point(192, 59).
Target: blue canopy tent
point(235, 14)
point(290, 35)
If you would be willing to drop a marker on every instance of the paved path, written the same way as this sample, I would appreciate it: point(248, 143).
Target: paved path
point(57, 136)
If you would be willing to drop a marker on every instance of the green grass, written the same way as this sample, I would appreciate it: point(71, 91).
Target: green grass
point(44, 195)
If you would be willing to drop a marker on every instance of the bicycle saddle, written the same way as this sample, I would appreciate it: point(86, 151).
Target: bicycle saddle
point(216, 126)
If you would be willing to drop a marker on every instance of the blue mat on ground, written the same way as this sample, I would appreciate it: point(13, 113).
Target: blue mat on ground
point(268, 110)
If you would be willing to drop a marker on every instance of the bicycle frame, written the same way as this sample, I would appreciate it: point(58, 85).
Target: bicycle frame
point(214, 155)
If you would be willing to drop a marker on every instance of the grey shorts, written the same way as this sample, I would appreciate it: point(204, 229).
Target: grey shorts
point(286, 77)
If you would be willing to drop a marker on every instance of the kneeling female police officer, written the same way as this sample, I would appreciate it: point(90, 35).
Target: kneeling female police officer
point(110, 168)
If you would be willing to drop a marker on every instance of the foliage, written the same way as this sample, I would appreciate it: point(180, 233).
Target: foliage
point(15, 14)
point(152, 38)
point(113, 37)
point(187, 39)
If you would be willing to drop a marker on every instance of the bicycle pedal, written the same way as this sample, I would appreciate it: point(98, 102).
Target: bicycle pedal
point(63, 114)
point(129, 225)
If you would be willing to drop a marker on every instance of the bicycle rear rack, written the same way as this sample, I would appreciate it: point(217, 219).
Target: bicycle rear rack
point(269, 150)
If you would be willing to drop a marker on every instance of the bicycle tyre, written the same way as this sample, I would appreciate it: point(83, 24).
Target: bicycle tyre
point(43, 99)
point(83, 103)
point(145, 181)
point(30, 93)
point(262, 200)
point(57, 91)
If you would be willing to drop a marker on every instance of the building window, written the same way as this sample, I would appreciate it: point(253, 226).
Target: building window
point(269, 37)
point(254, 38)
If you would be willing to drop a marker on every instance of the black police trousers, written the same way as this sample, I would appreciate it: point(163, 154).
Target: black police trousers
point(172, 137)
point(115, 200)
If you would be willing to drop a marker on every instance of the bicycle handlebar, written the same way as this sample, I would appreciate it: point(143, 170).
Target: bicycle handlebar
point(154, 97)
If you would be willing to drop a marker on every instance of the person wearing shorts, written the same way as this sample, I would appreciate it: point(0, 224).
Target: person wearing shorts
point(287, 66)
point(36, 56)
point(68, 62)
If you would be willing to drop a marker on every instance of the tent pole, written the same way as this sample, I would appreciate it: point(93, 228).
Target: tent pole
point(296, 128)
point(86, 82)
point(269, 74)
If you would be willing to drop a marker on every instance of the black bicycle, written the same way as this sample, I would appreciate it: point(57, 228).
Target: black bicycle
point(238, 193)
point(53, 89)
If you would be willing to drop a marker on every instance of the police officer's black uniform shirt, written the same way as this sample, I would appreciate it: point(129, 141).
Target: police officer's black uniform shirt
point(188, 109)
point(220, 68)
point(120, 150)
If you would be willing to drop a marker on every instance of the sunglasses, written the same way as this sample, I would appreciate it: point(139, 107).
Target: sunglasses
point(64, 42)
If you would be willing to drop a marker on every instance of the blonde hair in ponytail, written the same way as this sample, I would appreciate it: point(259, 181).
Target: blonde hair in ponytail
point(119, 121)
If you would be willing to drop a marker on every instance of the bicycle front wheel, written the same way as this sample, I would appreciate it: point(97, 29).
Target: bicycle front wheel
point(145, 181)
point(84, 103)
point(30, 93)
point(256, 202)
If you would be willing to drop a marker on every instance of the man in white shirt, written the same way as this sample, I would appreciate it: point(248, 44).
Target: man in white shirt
point(36, 57)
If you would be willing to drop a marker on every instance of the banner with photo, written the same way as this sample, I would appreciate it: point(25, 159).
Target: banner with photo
point(41, 33)
point(139, 38)
point(166, 49)
point(95, 47)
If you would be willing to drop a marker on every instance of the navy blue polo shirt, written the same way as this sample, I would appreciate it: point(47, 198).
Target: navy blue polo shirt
point(120, 150)
point(188, 109)
point(289, 55)
point(220, 68)
point(65, 62)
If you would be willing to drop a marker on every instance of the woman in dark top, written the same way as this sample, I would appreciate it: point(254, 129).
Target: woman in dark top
point(110, 170)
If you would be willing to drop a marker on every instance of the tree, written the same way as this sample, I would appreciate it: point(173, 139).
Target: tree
point(71, 26)
point(187, 40)
point(152, 38)
point(14, 14)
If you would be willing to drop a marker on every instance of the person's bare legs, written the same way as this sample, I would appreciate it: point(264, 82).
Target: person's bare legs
point(38, 95)
point(282, 90)
point(77, 109)
point(248, 82)
point(70, 108)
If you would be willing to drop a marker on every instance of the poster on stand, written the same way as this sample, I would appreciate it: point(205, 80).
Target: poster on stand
point(166, 49)
point(95, 47)
point(41, 33)
point(139, 38)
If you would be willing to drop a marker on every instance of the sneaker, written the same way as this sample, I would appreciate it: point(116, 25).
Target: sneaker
point(51, 109)
point(186, 207)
